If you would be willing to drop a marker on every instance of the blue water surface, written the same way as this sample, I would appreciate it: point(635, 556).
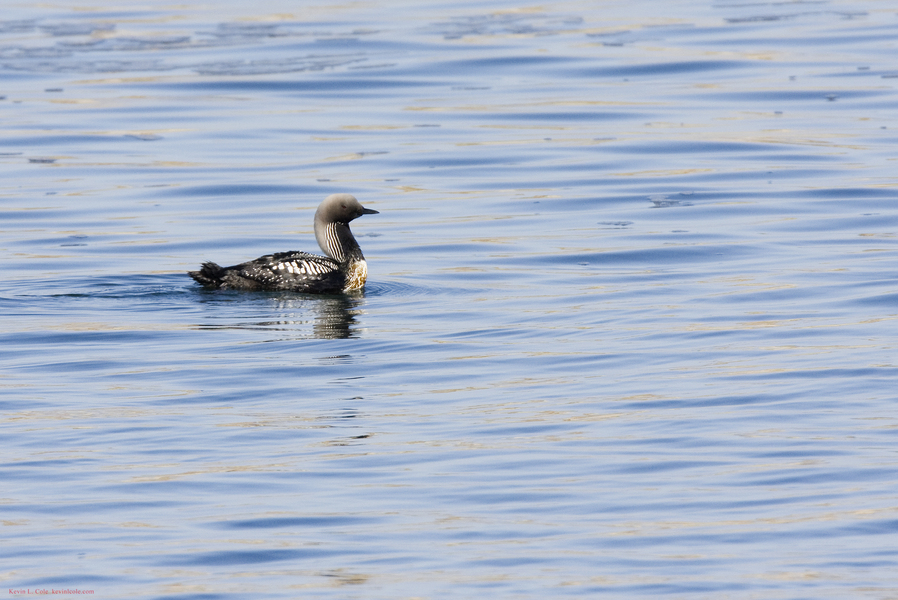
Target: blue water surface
point(629, 329)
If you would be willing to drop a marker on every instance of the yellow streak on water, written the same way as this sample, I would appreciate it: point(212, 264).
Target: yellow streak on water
point(373, 127)
point(652, 528)
point(261, 468)
point(661, 172)
point(97, 326)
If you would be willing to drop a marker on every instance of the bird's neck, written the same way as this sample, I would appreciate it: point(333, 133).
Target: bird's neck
point(337, 241)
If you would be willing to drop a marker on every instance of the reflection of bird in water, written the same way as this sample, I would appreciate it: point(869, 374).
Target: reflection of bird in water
point(293, 317)
point(343, 269)
point(331, 317)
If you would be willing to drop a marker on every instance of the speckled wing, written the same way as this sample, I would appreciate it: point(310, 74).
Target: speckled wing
point(298, 271)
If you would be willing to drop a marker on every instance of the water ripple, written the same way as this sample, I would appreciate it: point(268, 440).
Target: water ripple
point(627, 327)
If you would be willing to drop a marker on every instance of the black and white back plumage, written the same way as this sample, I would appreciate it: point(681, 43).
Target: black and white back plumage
point(343, 269)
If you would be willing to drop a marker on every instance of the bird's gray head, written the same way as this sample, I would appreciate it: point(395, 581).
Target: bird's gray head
point(341, 208)
point(332, 226)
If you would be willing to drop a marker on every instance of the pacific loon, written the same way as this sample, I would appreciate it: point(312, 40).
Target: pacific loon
point(343, 269)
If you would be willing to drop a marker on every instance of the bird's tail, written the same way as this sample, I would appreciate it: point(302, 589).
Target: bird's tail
point(210, 275)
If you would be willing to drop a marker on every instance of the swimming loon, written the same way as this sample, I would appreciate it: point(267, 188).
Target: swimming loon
point(343, 269)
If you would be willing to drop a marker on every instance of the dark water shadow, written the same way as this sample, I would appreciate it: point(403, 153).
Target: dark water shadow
point(179, 303)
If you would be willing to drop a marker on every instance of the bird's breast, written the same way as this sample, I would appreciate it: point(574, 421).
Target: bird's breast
point(356, 275)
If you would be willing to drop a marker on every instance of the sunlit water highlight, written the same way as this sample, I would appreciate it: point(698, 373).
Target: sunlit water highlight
point(629, 329)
